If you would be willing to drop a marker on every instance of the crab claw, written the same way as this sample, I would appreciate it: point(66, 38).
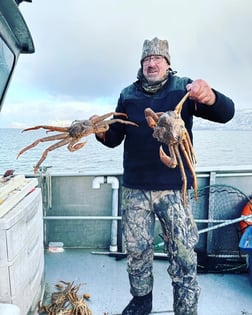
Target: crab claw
point(151, 117)
point(169, 161)
point(151, 122)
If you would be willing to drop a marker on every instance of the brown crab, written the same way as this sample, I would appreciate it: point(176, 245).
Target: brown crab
point(65, 301)
point(169, 128)
point(79, 306)
point(71, 136)
point(59, 300)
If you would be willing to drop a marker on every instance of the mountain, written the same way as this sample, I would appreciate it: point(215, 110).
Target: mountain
point(242, 120)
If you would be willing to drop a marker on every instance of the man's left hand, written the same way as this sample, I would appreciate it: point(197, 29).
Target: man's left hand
point(201, 92)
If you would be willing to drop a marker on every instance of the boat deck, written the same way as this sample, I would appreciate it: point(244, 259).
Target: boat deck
point(105, 279)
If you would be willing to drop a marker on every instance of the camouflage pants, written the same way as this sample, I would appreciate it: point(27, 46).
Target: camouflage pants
point(180, 235)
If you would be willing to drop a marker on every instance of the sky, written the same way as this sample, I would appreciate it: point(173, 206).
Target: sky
point(86, 52)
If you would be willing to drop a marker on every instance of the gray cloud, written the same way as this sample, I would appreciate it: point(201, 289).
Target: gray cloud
point(90, 50)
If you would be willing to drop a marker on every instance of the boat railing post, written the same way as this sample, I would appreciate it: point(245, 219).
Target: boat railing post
point(97, 181)
point(114, 224)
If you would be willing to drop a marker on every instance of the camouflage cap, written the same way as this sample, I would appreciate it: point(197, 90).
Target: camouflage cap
point(156, 47)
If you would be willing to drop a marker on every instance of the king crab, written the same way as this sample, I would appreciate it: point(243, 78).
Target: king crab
point(169, 128)
point(71, 136)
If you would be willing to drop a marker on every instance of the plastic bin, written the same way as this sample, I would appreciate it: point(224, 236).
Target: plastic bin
point(246, 247)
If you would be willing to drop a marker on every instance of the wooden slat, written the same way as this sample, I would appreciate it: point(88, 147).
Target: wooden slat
point(7, 186)
point(17, 194)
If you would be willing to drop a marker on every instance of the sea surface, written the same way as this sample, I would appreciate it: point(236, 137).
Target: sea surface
point(213, 148)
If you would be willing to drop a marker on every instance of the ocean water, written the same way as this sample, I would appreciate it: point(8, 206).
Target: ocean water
point(212, 147)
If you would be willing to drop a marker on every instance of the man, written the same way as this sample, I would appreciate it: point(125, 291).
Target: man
point(152, 189)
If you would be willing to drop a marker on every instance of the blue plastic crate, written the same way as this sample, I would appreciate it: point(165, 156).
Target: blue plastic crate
point(246, 241)
point(246, 247)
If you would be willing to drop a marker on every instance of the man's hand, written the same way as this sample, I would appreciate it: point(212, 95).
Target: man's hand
point(100, 135)
point(201, 92)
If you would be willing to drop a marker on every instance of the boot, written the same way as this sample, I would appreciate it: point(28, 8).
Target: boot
point(139, 305)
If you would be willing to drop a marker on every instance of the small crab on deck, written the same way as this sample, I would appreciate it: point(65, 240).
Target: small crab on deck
point(71, 136)
point(169, 128)
point(65, 301)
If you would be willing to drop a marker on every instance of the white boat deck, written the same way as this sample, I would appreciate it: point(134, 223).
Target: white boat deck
point(106, 280)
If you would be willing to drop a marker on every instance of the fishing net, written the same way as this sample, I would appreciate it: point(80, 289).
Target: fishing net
point(217, 213)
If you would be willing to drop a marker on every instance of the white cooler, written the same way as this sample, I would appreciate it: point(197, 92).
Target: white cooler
point(21, 246)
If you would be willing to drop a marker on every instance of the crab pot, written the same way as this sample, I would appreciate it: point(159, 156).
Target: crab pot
point(246, 247)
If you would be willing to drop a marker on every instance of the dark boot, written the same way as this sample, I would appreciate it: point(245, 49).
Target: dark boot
point(139, 305)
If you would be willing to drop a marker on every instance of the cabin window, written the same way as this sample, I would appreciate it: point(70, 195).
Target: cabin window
point(6, 64)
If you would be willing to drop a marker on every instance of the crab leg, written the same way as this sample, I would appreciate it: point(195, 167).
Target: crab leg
point(98, 119)
point(152, 117)
point(179, 106)
point(126, 122)
point(45, 153)
point(170, 161)
point(189, 148)
point(183, 175)
point(35, 143)
point(74, 146)
point(190, 165)
point(50, 128)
